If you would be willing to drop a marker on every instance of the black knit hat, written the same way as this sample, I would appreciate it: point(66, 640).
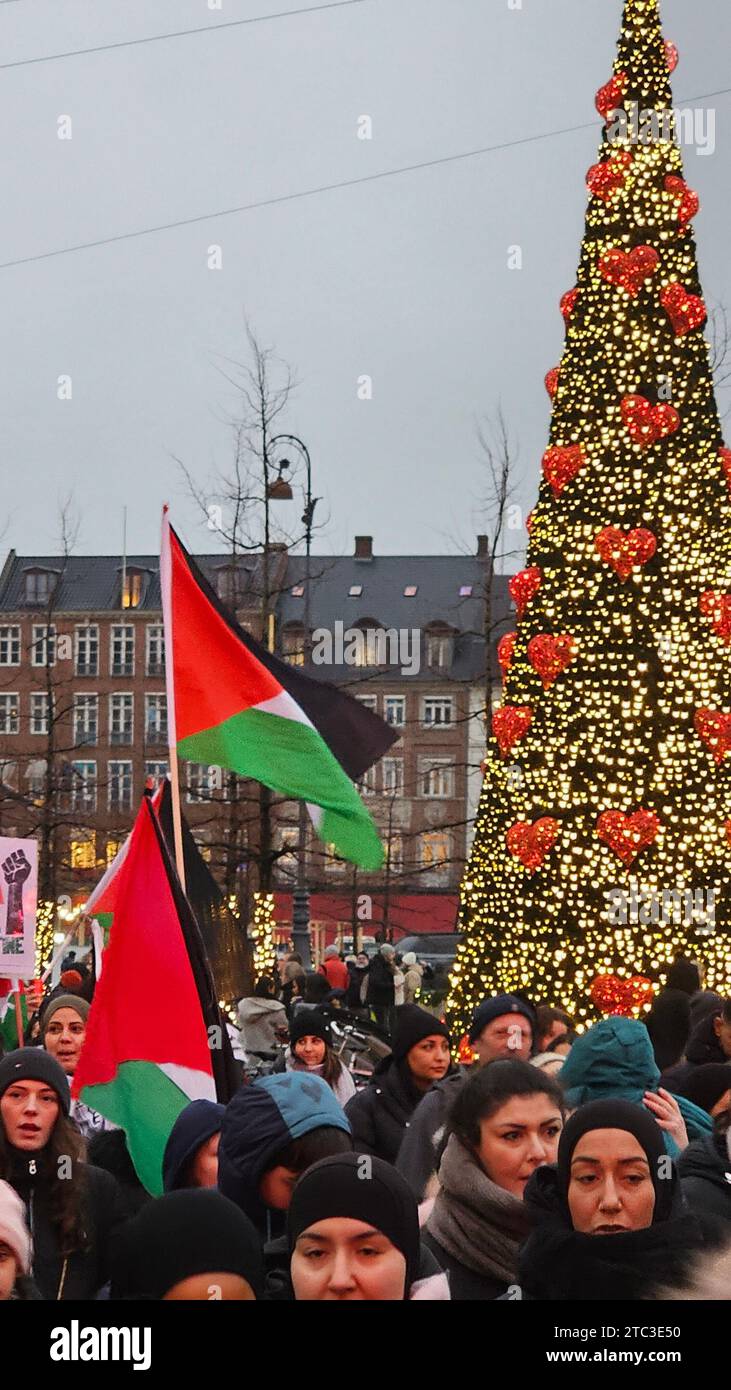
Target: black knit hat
point(705, 1085)
point(621, 1114)
point(188, 1232)
point(412, 1025)
point(309, 1023)
point(361, 1188)
point(34, 1064)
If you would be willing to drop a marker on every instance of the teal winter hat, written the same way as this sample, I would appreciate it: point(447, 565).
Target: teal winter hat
point(614, 1060)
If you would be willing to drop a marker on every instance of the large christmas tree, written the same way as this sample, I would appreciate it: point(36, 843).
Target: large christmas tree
point(603, 836)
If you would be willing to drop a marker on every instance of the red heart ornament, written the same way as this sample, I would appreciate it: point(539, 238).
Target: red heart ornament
point(613, 995)
point(607, 178)
point(717, 607)
point(628, 835)
point(624, 550)
point(714, 728)
point(728, 831)
point(686, 311)
point(725, 457)
point(568, 302)
point(672, 56)
point(561, 464)
point(505, 649)
point(689, 201)
point(529, 522)
point(531, 842)
point(549, 656)
point(610, 95)
point(629, 269)
point(645, 422)
point(524, 586)
point(510, 724)
point(551, 381)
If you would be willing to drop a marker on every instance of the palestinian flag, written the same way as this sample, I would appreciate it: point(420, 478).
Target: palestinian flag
point(233, 704)
point(146, 1054)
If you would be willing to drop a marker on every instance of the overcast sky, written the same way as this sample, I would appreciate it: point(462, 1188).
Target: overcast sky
point(403, 279)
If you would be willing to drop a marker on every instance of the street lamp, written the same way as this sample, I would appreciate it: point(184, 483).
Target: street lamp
point(300, 896)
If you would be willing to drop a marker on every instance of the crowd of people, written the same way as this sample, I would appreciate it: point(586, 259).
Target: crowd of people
point(529, 1160)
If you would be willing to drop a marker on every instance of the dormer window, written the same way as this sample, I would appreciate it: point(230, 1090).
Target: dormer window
point(231, 584)
point(39, 585)
point(132, 589)
point(439, 647)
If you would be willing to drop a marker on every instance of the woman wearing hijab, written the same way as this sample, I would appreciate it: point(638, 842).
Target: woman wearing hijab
point(353, 1232)
point(193, 1245)
point(505, 1122)
point(612, 1225)
point(191, 1153)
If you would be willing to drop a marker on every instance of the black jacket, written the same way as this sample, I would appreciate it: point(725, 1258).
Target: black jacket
point(703, 1046)
point(379, 1114)
point(465, 1285)
point(668, 1024)
point(380, 983)
point(705, 1176)
point(424, 1141)
point(87, 1269)
point(352, 997)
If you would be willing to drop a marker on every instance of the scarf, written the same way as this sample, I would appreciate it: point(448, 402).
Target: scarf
point(478, 1223)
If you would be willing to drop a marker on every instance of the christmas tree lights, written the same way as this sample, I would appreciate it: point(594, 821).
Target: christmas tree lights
point(608, 775)
point(262, 932)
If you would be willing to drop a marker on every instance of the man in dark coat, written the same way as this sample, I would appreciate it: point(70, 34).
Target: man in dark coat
point(380, 994)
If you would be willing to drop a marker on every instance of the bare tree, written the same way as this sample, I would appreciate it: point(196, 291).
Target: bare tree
point(718, 334)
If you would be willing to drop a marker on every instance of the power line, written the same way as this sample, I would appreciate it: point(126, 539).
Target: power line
point(320, 188)
point(179, 33)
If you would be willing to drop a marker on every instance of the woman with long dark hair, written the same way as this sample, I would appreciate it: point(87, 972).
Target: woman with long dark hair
point(73, 1209)
point(310, 1050)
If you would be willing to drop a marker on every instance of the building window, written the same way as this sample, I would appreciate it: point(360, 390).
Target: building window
point(465, 591)
point(298, 591)
point(436, 777)
point(411, 590)
point(156, 718)
point(120, 786)
point(231, 583)
point(43, 647)
point(367, 783)
point(113, 848)
point(122, 651)
point(157, 771)
point(155, 650)
point(83, 787)
point(202, 779)
point(437, 711)
point(39, 586)
point(333, 864)
point(39, 712)
point(287, 842)
point(121, 719)
point(9, 713)
point(9, 646)
point(87, 649)
point(393, 776)
point(83, 851)
point(36, 779)
point(86, 719)
point(434, 848)
point(370, 702)
point(293, 645)
point(132, 589)
point(394, 710)
point(439, 650)
point(355, 591)
point(395, 854)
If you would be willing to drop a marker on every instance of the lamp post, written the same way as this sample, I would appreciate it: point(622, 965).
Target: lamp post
point(300, 896)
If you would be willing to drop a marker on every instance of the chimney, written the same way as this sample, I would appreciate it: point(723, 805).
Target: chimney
point(363, 548)
point(482, 548)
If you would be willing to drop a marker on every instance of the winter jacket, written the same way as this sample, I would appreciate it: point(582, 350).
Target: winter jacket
point(668, 1024)
point(379, 1115)
point(260, 1019)
point(87, 1269)
point(260, 1121)
point(425, 1138)
point(336, 972)
point(703, 1046)
point(705, 1173)
point(412, 983)
point(343, 1089)
point(357, 987)
point(614, 1059)
point(380, 983)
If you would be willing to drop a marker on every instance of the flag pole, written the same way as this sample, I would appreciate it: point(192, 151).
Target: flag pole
point(167, 615)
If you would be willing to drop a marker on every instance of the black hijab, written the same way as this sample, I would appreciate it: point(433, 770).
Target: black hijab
point(635, 1120)
point(361, 1188)
point(190, 1231)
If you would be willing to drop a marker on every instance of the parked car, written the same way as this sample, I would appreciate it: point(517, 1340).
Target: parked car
point(435, 949)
